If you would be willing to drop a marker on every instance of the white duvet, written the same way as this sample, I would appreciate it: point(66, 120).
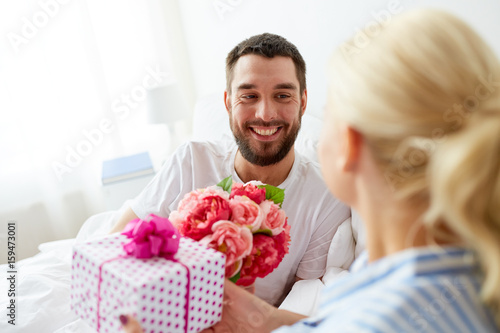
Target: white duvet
point(44, 281)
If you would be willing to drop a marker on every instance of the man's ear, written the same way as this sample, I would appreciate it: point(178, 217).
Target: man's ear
point(303, 100)
point(352, 141)
point(227, 101)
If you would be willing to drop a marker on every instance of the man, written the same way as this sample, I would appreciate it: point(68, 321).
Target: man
point(265, 98)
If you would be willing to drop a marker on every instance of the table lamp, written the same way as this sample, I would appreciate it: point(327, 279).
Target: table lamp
point(166, 106)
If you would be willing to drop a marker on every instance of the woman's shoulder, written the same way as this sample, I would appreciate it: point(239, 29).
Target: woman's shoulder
point(431, 290)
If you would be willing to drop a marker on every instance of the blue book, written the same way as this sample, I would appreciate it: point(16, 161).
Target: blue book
point(126, 167)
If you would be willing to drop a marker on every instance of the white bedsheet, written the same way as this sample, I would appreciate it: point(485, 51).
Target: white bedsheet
point(44, 284)
point(44, 281)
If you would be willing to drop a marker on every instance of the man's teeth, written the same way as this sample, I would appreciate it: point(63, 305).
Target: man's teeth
point(266, 132)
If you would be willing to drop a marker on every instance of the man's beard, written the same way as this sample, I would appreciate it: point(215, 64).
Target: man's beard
point(268, 155)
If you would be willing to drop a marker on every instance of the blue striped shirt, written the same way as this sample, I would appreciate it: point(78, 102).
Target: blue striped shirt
point(429, 289)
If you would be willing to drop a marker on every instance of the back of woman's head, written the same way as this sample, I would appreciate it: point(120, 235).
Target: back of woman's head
point(425, 93)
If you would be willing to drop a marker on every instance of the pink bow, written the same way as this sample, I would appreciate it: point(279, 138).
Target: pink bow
point(156, 237)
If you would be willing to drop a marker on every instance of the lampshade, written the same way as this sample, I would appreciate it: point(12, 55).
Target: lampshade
point(165, 104)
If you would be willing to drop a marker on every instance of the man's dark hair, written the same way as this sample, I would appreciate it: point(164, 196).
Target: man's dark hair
point(266, 45)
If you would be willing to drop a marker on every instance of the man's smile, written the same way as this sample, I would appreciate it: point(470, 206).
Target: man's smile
point(265, 133)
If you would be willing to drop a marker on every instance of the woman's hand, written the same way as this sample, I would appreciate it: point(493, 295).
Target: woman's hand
point(130, 325)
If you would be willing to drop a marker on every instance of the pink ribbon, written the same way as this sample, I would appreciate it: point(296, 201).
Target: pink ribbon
point(153, 237)
point(156, 237)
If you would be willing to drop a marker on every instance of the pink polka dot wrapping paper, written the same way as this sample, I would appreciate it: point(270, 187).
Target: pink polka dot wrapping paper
point(153, 290)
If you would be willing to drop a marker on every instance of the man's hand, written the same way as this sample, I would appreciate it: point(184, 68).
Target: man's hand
point(243, 312)
point(128, 216)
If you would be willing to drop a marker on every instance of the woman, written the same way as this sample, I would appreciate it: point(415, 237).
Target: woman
point(412, 142)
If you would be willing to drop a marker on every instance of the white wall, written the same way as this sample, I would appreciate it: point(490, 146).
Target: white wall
point(316, 27)
point(65, 68)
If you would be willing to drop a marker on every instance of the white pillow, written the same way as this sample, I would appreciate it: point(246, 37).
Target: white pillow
point(210, 120)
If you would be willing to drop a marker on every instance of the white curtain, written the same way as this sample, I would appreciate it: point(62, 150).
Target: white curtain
point(73, 76)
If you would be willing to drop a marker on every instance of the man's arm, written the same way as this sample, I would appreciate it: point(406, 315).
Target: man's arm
point(156, 194)
point(127, 216)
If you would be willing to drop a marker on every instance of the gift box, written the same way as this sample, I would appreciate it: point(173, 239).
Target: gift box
point(179, 294)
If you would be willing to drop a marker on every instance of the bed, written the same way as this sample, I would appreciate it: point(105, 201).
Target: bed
point(44, 280)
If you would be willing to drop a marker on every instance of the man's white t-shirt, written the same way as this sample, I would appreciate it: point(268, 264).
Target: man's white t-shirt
point(313, 213)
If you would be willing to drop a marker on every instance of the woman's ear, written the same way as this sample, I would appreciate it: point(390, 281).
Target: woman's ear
point(351, 145)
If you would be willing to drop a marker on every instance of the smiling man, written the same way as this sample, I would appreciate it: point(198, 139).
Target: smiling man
point(265, 98)
point(265, 102)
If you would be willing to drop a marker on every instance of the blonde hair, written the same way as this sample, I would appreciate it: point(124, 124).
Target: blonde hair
point(422, 92)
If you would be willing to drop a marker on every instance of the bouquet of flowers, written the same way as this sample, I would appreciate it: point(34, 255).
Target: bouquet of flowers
point(244, 221)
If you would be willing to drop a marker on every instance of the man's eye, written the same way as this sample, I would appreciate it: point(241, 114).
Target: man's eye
point(282, 96)
point(248, 96)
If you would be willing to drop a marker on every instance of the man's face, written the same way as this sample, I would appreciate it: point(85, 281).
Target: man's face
point(265, 107)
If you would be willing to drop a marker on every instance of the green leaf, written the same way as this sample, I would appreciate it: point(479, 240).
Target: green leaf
point(274, 193)
point(235, 278)
point(226, 184)
point(267, 232)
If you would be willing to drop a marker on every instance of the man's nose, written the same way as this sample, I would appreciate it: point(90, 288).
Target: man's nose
point(266, 110)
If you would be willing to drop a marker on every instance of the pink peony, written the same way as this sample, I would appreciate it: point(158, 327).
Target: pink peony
point(282, 241)
point(231, 239)
point(191, 199)
point(246, 212)
point(250, 190)
point(267, 254)
point(274, 217)
point(233, 269)
point(251, 231)
point(198, 211)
